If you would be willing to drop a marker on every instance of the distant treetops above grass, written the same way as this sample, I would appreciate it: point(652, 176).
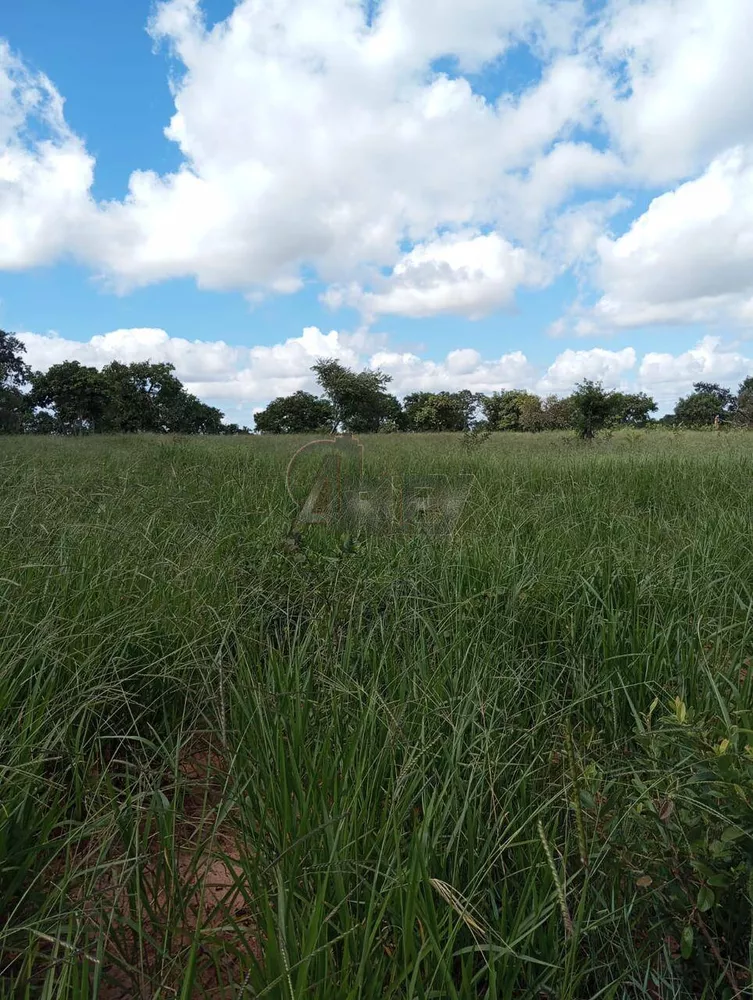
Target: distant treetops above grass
point(146, 396)
point(358, 402)
point(73, 398)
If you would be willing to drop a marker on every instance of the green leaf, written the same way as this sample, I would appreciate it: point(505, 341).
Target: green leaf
point(686, 942)
point(705, 898)
point(719, 881)
point(587, 800)
point(732, 833)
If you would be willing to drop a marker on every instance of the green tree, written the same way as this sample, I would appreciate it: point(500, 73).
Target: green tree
point(80, 395)
point(188, 415)
point(439, 411)
point(591, 408)
point(358, 399)
point(744, 403)
point(726, 399)
point(503, 410)
point(40, 422)
point(557, 413)
point(631, 409)
point(231, 429)
point(14, 374)
point(301, 413)
point(148, 396)
point(699, 409)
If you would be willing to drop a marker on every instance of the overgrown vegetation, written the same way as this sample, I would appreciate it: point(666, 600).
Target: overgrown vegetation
point(512, 763)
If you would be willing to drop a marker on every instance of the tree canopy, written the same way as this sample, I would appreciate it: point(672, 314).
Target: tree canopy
point(147, 396)
point(71, 398)
point(300, 413)
point(358, 399)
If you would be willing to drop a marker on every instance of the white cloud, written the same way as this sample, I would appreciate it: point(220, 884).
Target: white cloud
point(688, 81)
point(598, 364)
point(312, 139)
point(467, 274)
point(194, 360)
point(670, 376)
point(244, 379)
point(461, 369)
point(689, 257)
point(44, 179)
point(210, 369)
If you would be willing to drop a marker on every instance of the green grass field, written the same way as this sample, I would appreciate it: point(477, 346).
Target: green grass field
point(514, 762)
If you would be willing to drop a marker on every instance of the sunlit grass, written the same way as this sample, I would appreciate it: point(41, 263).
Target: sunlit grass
point(510, 763)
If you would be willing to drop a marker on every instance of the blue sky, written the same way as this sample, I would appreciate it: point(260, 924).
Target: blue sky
point(514, 194)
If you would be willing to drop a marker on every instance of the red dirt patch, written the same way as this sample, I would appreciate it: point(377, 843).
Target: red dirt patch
point(153, 908)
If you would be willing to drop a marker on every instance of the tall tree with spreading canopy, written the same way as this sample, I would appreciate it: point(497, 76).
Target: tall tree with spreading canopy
point(744, 407)
point(14, 375)
point(148, 396)
point(358, 399)
point(726, 399)
point(699, 409)
point(79, 394)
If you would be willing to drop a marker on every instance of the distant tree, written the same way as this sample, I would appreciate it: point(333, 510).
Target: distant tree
point(80, 395)
point(188, 415)
point(359, 401)
point(134, 389)
point(631, 409)
point(531, 417)
point(233, 429)
point(557, 413)
point(14, 374)
point(550, 414)
point(40, 422)
point(504, 410)
point(744, 403)
point(300, 413)
point(439, 411)
point(591, 408)
point(148, 396)
point(725, 397)
point(699, 409)
point(391, 416)
point(13, 368)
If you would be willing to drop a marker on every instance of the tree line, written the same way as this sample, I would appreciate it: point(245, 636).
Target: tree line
point(71, 398)
point(359, 402)
point(147, 396)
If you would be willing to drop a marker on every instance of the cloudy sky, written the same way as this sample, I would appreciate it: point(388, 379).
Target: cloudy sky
point(465, 193)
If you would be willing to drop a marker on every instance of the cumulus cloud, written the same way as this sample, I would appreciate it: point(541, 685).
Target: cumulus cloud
point(311, 138)
point(687, 81)
point(467, 274)
point(461, 369)
point(210, 369)
point(45, 172)
point(315, 140)
point(598, 364)
point(244, 379)
point(669, 376)
point(689, 257)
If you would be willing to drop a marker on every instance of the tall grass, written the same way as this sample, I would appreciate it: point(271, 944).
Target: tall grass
point(511, 763)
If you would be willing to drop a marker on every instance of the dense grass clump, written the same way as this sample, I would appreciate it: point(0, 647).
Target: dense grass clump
point(514, 762)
